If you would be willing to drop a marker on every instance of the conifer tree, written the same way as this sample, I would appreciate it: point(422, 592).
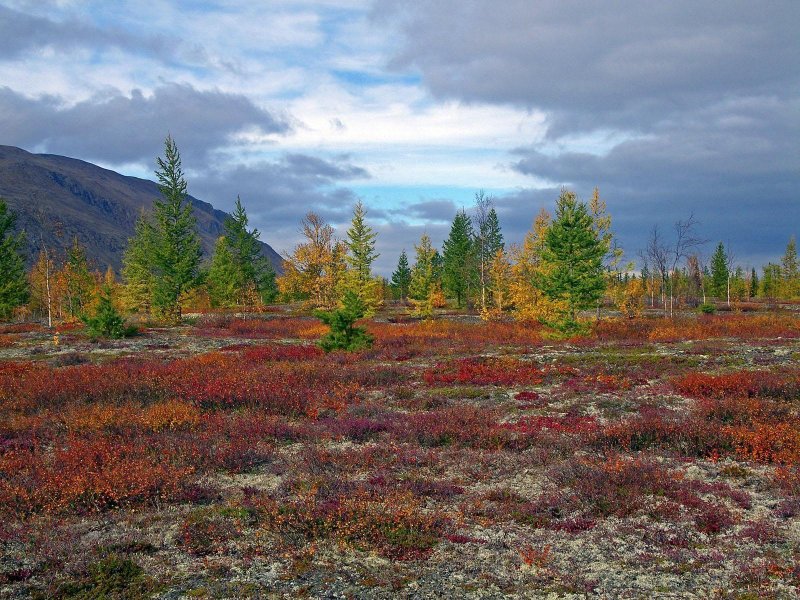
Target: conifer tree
point(791, 273)
point(137, 268)
point(176, 244)
point(771, 281)
point(106, 321)
point(224, 278)
point(459, 259)
point(401, 278)
point(754, 284)
point(255, 272)
point(530, 303)
point(13, 280)
point(79, 281)
point(488, 241)
point(719, 272)
point(361, 254)
point(573, 259)
point(425, 287)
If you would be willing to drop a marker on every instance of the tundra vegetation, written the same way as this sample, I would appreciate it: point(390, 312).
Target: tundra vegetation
point(494, 438)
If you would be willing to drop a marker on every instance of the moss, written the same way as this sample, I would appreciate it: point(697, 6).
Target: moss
point(111, 577)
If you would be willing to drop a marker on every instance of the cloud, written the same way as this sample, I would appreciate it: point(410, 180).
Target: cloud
point(115, 128)
point(278, 193)
point(620, 63)
point(670, 108)
point(21, 32)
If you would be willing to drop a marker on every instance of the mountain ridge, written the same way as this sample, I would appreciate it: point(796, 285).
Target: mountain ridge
point(57, 198)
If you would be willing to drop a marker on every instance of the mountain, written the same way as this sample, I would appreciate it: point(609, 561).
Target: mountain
point(57, 198)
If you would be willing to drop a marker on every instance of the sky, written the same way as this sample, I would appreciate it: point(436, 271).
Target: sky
point(672, 109)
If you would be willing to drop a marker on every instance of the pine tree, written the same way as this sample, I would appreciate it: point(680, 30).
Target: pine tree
point(361, 254)
point(13, 281)
point(224, 278)
point(254, 271)
point(572, 259)
point(488, 241)
point(459, 259)
point(719, 272)
point(176, 247)
point(137, 270)
point(401, 278)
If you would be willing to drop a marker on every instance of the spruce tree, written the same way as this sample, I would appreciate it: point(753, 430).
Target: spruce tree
point(13, 280)
point(753, 292)
point(254, 270)
point(572, 259)
point(423, 275)
point(107, 322)
point(137, 270)
point(176, 247)
point(79, 280)
point(719, 272)
point(224, 278)
point(401, 278)
point(459, 259)
point(361, 254)
point(344, 335)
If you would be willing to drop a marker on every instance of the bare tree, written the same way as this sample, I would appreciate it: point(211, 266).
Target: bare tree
point(665, 257)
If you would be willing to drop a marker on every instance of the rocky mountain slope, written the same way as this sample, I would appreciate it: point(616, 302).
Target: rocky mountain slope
point(57, 198)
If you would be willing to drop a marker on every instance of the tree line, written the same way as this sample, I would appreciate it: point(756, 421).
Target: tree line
point(568, 262)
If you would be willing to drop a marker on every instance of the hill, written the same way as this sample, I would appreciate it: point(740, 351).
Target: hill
point(58, 198)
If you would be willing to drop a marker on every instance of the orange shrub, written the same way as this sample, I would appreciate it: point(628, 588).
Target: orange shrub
point(777, 443)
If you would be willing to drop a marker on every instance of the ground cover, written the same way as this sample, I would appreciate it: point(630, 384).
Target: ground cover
point(233, 458)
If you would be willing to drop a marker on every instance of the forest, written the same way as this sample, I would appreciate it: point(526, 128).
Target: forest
point(548, 419)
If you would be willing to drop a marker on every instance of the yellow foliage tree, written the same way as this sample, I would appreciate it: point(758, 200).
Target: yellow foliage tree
point(529, 302)
point(501, 274)
point(631, 303)
point(314, 269)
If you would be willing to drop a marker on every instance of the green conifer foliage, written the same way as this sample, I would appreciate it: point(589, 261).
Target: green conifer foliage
point(13, 280)
point(80, 282)
point(572, 259)
point(459, 259)
point(176, 244)
point(719, 272)
point(224, 279)
point(344, 335)
point(106, 321)
point(137, 271)
point(254, 270)
point(401, 278)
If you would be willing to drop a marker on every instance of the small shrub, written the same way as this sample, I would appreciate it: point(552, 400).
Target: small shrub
point(707, 309)
point(344, 335)
point(111, 577)
point(107, 322)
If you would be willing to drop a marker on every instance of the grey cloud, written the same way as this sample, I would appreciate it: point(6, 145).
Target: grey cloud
point(433, 210)
point(20, 32)
point(277, 194)
point(116, 128)
point(705, 95)
point(618, 63)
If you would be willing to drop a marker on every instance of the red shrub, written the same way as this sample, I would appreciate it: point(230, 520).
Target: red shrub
point(484, 371)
